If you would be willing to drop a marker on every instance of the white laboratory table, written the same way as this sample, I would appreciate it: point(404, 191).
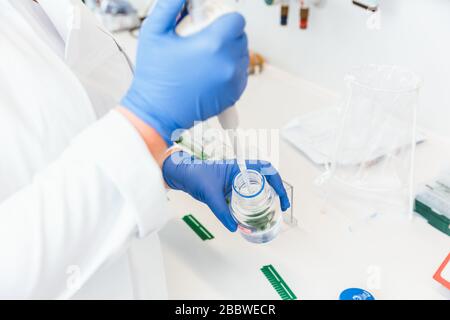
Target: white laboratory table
point(391, 256)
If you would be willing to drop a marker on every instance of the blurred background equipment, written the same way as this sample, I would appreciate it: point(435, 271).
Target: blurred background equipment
point(257, 63)
point(371, 5)
point(116, 15)
point(433, 202)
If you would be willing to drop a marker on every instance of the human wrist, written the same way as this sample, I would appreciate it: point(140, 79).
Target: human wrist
point(138, 106)
point(155, 143)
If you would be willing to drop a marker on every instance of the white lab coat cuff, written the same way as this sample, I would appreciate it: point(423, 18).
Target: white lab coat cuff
point(115, 146)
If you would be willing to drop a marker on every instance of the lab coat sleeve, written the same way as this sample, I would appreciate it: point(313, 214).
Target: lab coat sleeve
point(80, 212)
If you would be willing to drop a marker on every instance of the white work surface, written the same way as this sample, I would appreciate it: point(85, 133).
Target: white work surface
point(391, 256)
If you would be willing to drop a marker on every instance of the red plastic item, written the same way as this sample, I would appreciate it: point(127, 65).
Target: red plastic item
point(304, 15)
point(439, 277)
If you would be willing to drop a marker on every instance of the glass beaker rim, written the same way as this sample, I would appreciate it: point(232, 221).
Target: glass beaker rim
point(263, 183)
point(353, 78)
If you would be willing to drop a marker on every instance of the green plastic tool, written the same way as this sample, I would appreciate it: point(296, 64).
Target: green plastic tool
point(197, 227)
point(278, 283)
point(435, 219)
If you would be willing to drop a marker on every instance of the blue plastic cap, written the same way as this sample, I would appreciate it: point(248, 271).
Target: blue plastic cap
point(356, 294)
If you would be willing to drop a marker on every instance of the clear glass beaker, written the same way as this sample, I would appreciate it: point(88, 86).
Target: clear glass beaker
point(375, 142)
point(256, 210)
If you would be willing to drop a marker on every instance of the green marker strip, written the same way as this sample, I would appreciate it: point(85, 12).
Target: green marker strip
point(198, 228)
point(278, 283)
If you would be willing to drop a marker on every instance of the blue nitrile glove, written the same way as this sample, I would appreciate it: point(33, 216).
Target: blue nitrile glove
point(180, 80)
point(211, 181)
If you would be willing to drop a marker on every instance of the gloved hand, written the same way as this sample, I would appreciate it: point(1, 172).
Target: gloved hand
point(211, 181)
point(180, 80)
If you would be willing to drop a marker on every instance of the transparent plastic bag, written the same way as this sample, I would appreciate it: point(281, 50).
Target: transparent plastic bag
point(372, 164)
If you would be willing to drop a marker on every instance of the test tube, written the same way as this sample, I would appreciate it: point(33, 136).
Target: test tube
point(304, 15)
point(284, 13)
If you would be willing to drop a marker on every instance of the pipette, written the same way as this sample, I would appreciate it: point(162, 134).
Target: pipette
point(201, 14)
point(229, 120)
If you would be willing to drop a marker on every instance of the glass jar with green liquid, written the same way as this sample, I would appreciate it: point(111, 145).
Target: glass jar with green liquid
point(255, 207)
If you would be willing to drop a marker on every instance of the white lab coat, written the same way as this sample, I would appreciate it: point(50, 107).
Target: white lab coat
point(78, 186)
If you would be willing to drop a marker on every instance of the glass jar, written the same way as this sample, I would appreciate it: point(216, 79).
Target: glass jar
point(256, 209)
